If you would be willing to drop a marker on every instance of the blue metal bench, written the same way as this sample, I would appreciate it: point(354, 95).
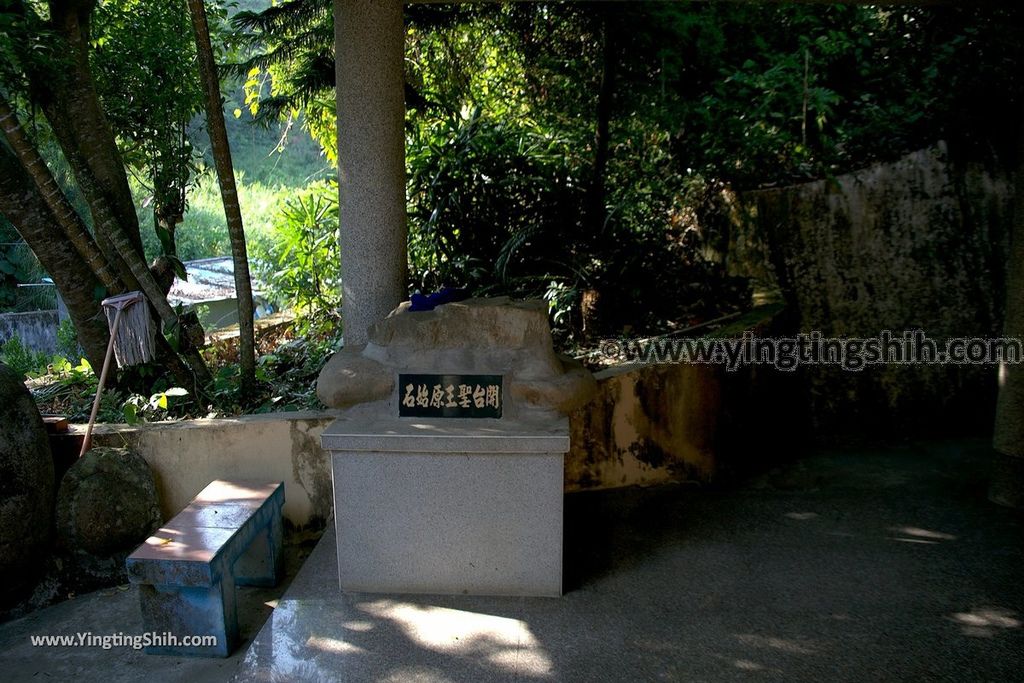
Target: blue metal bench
point(187, 571)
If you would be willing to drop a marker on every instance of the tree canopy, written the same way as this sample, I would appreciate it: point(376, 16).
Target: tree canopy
point(566, 150)
point(557, 147)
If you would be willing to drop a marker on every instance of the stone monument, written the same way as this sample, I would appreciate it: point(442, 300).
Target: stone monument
point(447, 456)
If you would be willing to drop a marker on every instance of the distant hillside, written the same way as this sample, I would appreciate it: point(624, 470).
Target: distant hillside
point(254, 148)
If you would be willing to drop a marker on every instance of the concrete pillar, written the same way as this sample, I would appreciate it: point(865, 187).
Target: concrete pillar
point(369, 44)
point(1008, 438)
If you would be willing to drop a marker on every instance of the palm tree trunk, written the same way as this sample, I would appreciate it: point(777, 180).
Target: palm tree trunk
point(229, 195)
point(69, 100)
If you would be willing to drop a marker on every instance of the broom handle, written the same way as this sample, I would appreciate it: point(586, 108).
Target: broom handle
point(87, 441)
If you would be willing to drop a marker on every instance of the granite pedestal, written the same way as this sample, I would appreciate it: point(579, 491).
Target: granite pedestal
point(462, 506)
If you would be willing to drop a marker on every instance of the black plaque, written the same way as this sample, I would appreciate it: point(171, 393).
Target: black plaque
point(449, 395)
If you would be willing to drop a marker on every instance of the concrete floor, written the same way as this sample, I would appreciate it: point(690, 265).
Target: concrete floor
point(847, 565)
point(116, 611)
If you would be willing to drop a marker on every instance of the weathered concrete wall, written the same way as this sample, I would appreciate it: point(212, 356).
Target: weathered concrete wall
point(660, 423)
point(919, 243)
point(649, 424)
point(186, 456)
point(37, 329)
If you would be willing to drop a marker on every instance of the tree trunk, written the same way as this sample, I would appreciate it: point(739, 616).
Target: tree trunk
point(72, 98)
point(170, 177)
point(67, 96)
point(26, 209)
point(595, 211)
point(62, 211)
point(229, 195)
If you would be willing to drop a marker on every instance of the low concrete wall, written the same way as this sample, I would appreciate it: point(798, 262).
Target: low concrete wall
point(37, 329)
point(186, 456)
point(649, 424)
point(652, 424)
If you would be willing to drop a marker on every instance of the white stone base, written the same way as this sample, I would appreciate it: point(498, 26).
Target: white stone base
point(467, 508)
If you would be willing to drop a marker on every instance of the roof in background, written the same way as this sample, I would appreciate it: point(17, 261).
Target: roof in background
point(210, 279)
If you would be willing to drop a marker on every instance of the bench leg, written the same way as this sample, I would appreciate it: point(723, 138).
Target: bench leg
point(261, 563)
point(174, 612)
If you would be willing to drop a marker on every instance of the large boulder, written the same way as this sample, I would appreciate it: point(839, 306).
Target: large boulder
point(107, 505)
point(476, 336)
point(26, 489)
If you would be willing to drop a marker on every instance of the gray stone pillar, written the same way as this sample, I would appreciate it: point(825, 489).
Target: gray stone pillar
point(369, 44)
point(1008, 438)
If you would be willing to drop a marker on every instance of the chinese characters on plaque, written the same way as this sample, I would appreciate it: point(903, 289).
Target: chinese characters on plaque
point(449, 395)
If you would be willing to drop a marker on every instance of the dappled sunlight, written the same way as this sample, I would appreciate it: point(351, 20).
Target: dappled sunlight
point(913, 534)
point(505, 642)
point(359, 626)
point(774, 643)
point(234, 493)
point(163, 537)
point(922, 533)
point(420, 674)
point(985, 622)
point(747, 665)
point(333, 645)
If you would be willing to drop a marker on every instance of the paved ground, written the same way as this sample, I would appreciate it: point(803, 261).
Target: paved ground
point(116, 610)
point(849, 566)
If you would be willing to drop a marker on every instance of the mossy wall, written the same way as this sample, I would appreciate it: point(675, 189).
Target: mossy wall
point(919, 243)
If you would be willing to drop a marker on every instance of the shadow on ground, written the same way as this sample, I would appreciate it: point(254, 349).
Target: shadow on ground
point(852, 565)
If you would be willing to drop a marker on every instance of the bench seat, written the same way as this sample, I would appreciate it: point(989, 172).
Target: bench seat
point(186, 572)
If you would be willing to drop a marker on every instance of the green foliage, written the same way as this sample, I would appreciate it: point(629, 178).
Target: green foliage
point(147, 75)
point(290, 371)
point(24, 361)
point(271, 153)
point(286, 373)
point(203, 232)
point(505, 190)
point(299, 265)
point(480, 190)
point(26, 43)
point(501, 179)
point(291, 64)
point(562, 301)
point(70, 389)
point(756, 94)
point(138, 409)
point(67, 341)
point(18, 265)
